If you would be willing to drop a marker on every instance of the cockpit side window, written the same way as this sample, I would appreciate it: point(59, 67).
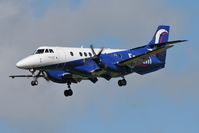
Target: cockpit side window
point(46, 51)
point(39, 51)
point(51, 51)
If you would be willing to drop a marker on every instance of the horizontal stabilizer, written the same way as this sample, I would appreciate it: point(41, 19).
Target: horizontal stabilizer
point(167, 43)
point(137, 60)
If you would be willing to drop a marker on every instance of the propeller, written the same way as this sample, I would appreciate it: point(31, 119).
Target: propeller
point(96, 57)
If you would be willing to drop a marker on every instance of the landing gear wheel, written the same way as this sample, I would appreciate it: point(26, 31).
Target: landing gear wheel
point(68, 92)
point(34, 83)
point(122, 82)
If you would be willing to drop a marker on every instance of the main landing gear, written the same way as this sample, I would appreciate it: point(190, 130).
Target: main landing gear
point(34, 83)
point(122, 82)
point(68, 92)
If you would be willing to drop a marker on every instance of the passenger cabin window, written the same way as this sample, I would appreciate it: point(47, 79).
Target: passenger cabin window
point(40, 51)
point(51, 51)
point(90, 54)
point(80, 53)
point(85, 54)
point(71, 53)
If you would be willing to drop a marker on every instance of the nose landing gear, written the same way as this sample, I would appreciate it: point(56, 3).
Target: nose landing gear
point(68, 92)
point(35, 77)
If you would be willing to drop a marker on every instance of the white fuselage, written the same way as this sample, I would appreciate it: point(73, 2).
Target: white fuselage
point(58, 55)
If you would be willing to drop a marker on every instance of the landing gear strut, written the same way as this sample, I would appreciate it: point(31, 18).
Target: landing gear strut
point(68, 92)
point(35, 77)
point(122, 82)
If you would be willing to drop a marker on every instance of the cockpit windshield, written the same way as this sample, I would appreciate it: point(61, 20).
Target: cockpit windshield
point(41, 51)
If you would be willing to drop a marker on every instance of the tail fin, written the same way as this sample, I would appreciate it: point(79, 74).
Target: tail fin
point(161, 36)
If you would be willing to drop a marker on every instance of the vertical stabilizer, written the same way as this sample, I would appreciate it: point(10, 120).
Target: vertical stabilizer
point(161, 36)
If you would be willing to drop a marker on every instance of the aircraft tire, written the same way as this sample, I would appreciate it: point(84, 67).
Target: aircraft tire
point(120, 83)
point(68, 92)
point(124, 82)
point(34, 83)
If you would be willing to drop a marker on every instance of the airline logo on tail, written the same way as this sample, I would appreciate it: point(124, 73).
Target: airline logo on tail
point(160, 35)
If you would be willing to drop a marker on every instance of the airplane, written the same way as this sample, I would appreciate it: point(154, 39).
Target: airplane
point(69, 65)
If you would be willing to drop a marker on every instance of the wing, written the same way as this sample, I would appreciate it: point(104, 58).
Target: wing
point(143, 57)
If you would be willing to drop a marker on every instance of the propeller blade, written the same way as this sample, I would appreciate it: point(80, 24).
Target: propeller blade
point(100, 52)
point(96, 57)
point(92, 49)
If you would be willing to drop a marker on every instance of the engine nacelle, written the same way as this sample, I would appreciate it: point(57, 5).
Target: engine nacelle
point(59, 76)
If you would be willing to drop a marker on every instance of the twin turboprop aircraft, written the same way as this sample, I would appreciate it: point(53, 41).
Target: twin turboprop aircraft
point(71, 65)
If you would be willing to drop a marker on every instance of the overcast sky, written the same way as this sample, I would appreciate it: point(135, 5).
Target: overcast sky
point(162, 102)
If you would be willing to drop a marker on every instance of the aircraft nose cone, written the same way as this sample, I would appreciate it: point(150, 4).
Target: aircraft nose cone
point(20, 64)
point(28, 62)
